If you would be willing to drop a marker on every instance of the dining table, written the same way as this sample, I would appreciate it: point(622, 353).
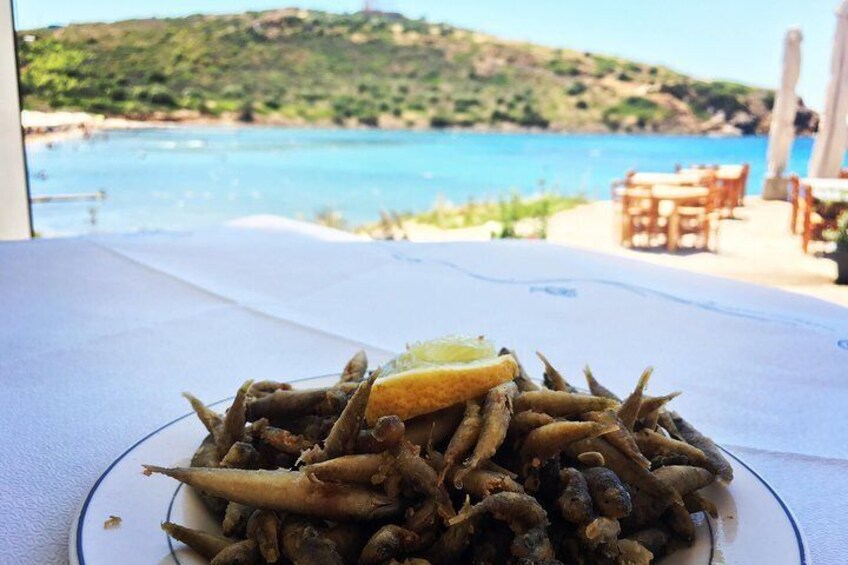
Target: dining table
point(827, 190)
point(665, 200)
point(677, 197)
point(648, 179)
point(99, 335)
point(815, 193)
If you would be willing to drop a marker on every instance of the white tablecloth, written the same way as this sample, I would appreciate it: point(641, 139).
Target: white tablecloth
point(98, 337)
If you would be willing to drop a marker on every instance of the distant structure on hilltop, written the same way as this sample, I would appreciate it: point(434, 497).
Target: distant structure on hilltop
point(372, 8)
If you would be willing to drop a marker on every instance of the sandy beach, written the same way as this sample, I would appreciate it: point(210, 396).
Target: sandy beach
point(55, 127)
point(754, 247)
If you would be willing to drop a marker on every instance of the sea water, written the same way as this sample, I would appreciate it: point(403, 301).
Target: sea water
point(185, 178)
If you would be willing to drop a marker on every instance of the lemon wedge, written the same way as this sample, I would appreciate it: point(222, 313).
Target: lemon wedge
point(435, 374)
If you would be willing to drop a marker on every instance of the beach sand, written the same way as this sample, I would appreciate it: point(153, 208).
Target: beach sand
point(755, 247)
point(54, 127)
point(43, 128)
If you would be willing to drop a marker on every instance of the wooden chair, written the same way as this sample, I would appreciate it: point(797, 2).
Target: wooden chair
point(637, 212)
point(638, 217)
point(732, 180)
point(699, 218)
point(744, 186)
point(700, 174)
point(618, 186)
point(795, 200)
point(816, 217)
point(678, 168)
point(740, 184)
point(811, 222)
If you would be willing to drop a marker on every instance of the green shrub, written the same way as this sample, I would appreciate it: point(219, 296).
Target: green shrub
point(604, 65)
point(312, 97)
point(710, 97)
point(371, 120)
point(564, 67)
point(532, 118)
point(118, 94)
point(643, 110)
point(157, 77)
point(465, 104)
point(500, 116)
point(576, 88)
point(246, 112)
point(441, 121)
point(161, 96)
point(840, 234)
point(331, 218)
point(232, 91)
point(507, 210)
point(103, 106)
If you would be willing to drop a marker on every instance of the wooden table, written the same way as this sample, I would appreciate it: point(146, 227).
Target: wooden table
point(810, 193)
point(644, 179)
point(677, 195)
point(730, 172)
point(729, 179)
point(827, 190)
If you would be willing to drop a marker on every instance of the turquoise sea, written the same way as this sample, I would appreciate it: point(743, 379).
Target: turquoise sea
point(189, 177)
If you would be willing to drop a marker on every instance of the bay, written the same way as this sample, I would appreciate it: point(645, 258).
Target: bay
point(188, 177)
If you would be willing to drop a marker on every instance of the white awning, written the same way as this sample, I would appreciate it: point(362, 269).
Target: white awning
point(829, 147)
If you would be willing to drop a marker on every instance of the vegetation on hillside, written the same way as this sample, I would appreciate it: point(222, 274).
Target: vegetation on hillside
point(307, 67)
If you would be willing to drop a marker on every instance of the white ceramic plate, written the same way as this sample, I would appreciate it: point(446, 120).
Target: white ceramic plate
point(754, 525)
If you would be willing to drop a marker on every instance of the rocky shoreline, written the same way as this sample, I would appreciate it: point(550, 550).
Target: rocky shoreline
point(56, 127)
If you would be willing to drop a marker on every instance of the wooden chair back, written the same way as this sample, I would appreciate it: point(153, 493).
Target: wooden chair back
point(794, 200)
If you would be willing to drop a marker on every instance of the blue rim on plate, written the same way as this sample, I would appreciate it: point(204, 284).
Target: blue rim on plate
point(90, 495)
point(799, 538)
point(168, 519)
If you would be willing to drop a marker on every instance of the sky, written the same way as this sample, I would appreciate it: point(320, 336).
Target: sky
point(738, 40)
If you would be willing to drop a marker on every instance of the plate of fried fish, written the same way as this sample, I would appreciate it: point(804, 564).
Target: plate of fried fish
point(449, 453)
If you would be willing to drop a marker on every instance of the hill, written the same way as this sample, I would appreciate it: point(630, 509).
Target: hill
point(306, 67)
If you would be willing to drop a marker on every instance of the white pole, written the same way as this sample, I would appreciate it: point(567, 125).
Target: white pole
point(782, 128)
point(15, 220)
point(832, 137)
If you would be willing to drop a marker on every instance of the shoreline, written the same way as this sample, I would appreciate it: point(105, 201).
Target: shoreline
point(58, 134)
point(102, 123)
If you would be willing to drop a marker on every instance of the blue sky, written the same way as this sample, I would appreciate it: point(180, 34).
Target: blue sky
point(732, 39)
